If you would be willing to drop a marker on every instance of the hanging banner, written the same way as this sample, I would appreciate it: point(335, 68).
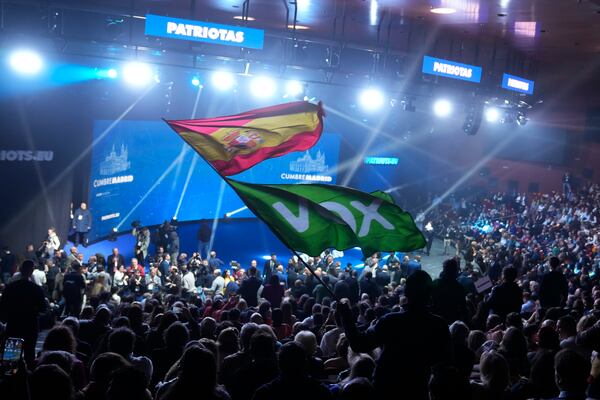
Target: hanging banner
point(517, 84)
point(451, 69)
point(197, 31)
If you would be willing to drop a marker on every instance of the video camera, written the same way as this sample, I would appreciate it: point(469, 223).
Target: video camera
point(195, 261)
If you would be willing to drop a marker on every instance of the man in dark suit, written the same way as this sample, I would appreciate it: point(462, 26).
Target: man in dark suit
point(414, 334)
point(270, 267)
point(368, 286)
point(115, 260)
point(506, 297)
point(554, 288)
point(249, 287)
point(82, 223)
point(292, 274)
point(21, 303)
point(173, 246)
point(448, 296)
point(352, 280)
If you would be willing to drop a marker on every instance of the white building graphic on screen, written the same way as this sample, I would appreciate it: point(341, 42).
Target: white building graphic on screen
point(306, 163)
point(114, 163)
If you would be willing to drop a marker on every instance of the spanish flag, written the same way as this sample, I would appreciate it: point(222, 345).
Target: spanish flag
point(234, 143)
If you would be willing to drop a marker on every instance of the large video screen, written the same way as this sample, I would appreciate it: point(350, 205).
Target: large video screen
point(142, 170)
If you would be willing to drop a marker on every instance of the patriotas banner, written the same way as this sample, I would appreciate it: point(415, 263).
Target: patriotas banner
point(313, 217)
point(234, 143)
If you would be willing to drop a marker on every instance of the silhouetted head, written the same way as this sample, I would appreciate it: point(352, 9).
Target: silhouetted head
point(418, 288)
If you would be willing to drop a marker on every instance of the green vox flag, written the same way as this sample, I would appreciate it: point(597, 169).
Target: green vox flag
point(312, 217)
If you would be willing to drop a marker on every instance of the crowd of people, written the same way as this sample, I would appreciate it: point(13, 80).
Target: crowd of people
point(168, 325)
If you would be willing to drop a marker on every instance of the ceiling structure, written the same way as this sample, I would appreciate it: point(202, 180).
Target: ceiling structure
point(547, 28)
point(545, 40)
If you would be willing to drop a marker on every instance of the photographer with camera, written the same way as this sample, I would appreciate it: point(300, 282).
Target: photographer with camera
point(204, 276)
point(51, 244)
point(173, 281)
point(142, 240)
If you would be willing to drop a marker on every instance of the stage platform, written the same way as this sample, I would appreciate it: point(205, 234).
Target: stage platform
point(242, 240)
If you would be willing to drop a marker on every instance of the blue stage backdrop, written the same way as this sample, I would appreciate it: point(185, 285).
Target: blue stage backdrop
point(140, 169)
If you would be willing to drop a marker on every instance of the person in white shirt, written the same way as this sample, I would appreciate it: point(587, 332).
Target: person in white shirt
point(52, 243)
point(153, 281)
point(120, 279)
point(188, 280)
point(218, 284)
point(39, 275)
point(331, 337)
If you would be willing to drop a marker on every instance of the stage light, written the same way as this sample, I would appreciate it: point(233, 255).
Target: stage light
point(373, 12)
point(137, 74)
point(371, 99)
point(442, 108)
point(443, 10)
point(263, 86)
point(492, 115)
point(230, 214)
point(195, 81)
point(298, 27)
point(113, 235)
point(223, 80)
point(242, 18)
point(473, 118)
point(26, 62)
point(521, 119)
point(408, 105)
point(294, 88)
point(106, 73)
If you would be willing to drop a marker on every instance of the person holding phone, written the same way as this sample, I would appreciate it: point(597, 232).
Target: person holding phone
point(21, 303)
point(12, 355)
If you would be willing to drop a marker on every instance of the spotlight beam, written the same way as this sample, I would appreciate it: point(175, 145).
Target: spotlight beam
point(184, 146)
point(83, 154)
point(149, 191)
point(392, 144)
point(484, 160)
point(187, 182)
point(38, 170)
point(215, 223)
point(412, 69)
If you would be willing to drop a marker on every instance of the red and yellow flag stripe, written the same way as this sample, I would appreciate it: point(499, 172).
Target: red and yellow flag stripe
point(235, 143)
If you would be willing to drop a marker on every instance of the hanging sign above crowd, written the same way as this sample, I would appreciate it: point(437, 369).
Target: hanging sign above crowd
point(451, 69)
point(517, 84)
point(185, 29)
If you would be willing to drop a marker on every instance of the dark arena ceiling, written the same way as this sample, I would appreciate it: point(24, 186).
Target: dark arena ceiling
point(555, 42)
